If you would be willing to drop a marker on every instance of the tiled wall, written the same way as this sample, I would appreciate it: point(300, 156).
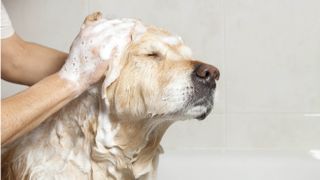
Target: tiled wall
point(268, 53)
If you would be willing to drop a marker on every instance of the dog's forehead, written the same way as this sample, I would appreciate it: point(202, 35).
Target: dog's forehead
point(162, 35)
point(162, 40)
point(140, 30)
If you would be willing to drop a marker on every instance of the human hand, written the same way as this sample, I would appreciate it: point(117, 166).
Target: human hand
point(99, 42)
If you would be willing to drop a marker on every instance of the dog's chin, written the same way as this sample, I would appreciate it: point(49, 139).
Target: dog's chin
point(200, 111)
point(203, 115)
point(201, 107)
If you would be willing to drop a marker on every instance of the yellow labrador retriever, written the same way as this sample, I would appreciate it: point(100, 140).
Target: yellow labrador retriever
point(114, 131)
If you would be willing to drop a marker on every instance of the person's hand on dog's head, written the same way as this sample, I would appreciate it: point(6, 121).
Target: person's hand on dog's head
point(99, 42)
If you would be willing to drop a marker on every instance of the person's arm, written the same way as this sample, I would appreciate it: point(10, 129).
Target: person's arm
point(26, 110)
point(27, 63)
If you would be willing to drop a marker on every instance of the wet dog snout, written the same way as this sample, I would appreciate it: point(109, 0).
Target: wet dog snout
point(206, 74)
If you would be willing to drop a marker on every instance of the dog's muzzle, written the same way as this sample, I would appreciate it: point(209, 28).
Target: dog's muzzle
point(204, 79)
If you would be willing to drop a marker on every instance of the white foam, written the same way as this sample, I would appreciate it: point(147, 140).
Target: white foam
point(107, 38)
point(172, 40)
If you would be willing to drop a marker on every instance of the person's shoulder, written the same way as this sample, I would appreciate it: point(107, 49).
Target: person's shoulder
point(7, 29)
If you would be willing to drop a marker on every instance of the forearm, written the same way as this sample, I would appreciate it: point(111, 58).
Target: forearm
point(26, 110)
point(27, 63)
point(41, 62)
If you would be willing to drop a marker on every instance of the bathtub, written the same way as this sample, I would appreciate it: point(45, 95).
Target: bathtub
point(239, 165)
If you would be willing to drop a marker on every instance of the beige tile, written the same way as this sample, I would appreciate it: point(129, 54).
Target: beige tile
point(276, 130)
point(272, 56)
point(208, 133)
point(239, 165)
point(9, 89)
point(50, 23)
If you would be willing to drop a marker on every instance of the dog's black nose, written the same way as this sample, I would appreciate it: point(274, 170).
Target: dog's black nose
point(206, 74)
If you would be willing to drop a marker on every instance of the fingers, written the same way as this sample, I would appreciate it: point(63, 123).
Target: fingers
point(108, 49)
point(100, 42)
point(114, 39)
point(113, 46)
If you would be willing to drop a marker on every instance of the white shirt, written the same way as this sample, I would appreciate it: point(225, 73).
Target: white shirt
point(6, 26)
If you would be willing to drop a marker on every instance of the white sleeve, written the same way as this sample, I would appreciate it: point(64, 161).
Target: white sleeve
point(6, 26)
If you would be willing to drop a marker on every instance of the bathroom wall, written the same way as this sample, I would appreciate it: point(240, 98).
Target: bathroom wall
point(268, 53)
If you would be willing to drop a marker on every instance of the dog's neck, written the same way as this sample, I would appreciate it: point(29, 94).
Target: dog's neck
point(127, 144)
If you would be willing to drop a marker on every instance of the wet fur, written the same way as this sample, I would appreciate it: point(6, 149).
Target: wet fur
point(143, 102)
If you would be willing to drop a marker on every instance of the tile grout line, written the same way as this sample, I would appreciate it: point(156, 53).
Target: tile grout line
point(225, 143)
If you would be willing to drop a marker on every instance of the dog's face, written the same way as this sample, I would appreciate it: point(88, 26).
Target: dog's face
point(159, 79)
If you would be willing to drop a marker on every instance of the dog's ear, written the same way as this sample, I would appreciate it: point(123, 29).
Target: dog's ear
point(116, 64)
point(112, 73)
point(92, 18)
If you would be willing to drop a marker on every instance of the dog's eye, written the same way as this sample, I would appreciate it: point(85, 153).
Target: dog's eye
point(153, 54)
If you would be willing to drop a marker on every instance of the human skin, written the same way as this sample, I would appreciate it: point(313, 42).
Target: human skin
point(27, 63)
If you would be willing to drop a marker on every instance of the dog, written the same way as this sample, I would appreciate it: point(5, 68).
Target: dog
point(114, 129)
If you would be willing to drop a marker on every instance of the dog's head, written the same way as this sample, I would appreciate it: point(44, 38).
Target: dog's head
point(156, 80)
point(159, 79)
